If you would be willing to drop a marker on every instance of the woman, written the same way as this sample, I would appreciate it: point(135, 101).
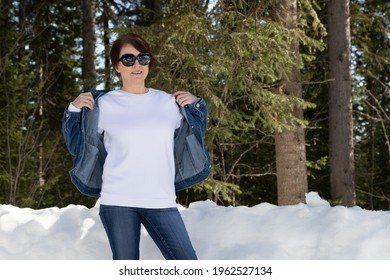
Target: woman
point(134, 147)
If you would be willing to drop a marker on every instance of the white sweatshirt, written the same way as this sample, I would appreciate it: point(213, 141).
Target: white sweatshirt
point(138, 129)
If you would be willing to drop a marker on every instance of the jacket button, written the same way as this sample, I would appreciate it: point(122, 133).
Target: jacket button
point(197, 105)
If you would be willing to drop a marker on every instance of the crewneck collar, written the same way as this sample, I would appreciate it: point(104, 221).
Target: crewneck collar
point(140, 94)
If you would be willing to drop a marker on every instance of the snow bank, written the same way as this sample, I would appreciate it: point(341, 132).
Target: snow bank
point(310, 231)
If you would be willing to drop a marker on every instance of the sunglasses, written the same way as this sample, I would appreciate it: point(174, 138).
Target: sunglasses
point(129, 59)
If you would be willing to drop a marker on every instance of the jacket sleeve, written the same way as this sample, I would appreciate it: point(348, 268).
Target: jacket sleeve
point(71, 129)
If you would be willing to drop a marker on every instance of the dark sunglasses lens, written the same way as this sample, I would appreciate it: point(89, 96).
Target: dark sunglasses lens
point(128, 60)
point(144, 59)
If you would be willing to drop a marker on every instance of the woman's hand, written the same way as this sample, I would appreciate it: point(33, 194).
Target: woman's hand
point(184, 98)
point(85, 99)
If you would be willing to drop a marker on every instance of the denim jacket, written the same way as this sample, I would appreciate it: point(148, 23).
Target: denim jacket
point(192, 161)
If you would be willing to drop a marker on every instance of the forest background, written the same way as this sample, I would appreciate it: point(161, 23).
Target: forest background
point(281, 123)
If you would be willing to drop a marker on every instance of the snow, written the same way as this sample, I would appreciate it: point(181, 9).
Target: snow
point(311, 231)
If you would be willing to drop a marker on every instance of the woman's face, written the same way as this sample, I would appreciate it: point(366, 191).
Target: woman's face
point(135, 74)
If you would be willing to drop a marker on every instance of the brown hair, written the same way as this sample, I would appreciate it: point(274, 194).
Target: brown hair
point(133, 39)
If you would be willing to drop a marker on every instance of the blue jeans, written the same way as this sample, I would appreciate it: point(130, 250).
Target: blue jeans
point(165, 227)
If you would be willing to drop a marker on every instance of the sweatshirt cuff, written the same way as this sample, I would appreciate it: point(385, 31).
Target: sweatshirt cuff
point(73, 108)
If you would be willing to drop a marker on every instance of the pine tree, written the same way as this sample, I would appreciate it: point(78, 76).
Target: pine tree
point(290, 142)
point(38, 74)
point(341, 155)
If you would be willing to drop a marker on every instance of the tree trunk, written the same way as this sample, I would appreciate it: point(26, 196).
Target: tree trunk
point(148, 16)
point(106, 41)
point(154, 5)
point(341, 151)
point(89, 44)
point(290, 143)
